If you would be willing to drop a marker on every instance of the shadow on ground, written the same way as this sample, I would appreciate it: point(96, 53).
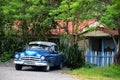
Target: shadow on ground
point(39, 69)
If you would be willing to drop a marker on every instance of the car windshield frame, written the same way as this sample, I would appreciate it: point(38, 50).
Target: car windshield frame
point(38, 47)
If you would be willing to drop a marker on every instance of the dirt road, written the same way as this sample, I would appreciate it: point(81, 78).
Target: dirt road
point(8, 72)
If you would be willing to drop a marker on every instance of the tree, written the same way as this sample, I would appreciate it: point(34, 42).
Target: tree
point(76, 10)
point(30, 11)
point(112, 19)
point(1, 18)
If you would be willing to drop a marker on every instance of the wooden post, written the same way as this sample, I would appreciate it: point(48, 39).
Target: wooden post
point(86, 56)
point(91, 57)
point(103, 59)
point(102, 52)
point(90, 50)
point(112, 57)
point(107, 58)
point(116, 45)
point(95, 57)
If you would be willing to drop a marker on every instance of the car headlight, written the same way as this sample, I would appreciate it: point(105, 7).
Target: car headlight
point(42, 58)
point(22, 54)
point(16, 56)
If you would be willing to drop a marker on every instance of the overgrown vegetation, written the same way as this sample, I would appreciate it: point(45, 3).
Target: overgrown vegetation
point(73, 55)
point(8, 48)
point(96, 73)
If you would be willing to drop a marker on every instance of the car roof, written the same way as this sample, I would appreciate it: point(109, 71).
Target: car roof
point(43, 43)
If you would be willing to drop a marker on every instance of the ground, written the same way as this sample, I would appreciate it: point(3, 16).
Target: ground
point(8, 72)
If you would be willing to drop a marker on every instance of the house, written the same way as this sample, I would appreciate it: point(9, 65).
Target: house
point(99, 45)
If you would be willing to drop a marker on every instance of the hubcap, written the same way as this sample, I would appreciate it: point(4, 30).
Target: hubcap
point(61, 65)
point(48, 67)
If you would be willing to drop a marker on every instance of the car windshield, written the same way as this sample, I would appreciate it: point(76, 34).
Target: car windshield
point(38, 46)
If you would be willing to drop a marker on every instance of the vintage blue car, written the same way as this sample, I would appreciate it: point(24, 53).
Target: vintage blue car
point(39, 54)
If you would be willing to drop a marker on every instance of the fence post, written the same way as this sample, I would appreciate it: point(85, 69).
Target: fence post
point(107, 58)
point(86, 56)
point(103, 59)
point(95, 57)
point(112, 57)
point(102, 55)
point(91, 57)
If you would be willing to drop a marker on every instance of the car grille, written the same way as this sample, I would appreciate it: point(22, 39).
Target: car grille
point(30, 58)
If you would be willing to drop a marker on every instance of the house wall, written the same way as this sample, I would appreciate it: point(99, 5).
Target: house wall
point(83, 44)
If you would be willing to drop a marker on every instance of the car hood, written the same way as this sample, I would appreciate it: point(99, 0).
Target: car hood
point(36, 52)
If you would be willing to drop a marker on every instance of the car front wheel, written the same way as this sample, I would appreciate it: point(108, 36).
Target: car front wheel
point(18, 67)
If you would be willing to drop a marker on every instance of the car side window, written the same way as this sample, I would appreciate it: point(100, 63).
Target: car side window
point(56, 48)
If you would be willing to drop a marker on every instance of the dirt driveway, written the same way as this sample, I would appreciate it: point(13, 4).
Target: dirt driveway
point(8, 72)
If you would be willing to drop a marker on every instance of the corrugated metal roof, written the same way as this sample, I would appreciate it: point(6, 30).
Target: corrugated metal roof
point(109, 31)
point(60, 29)
point(100, 31)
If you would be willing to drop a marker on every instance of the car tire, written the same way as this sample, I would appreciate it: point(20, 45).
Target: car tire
point(18, 67)
point(47, 68)
point(60, 66)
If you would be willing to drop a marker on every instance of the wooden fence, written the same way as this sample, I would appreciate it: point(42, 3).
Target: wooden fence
point(101, 59)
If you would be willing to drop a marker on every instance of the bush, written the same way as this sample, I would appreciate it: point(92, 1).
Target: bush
point(73, 55)
point(5, 57)
point(8, 48)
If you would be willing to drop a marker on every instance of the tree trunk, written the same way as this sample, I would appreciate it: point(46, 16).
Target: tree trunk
point(117, 56)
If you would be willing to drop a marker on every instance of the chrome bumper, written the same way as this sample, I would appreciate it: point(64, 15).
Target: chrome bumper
point(32, 63)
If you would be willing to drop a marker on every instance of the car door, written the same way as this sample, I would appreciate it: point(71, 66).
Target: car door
point(54, 57)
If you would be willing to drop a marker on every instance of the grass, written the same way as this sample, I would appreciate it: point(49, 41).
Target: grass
point(96, 73)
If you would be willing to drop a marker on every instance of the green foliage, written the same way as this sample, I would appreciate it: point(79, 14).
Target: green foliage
point(92, 28)
point(29, 11)
point(8, 48)
point(80, 9)
point(111, 17)
point(5, 57)
point(73, 55)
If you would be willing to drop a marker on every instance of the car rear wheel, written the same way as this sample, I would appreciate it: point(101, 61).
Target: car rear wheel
point(60, 66)
point(47, 68)
point(18, 67)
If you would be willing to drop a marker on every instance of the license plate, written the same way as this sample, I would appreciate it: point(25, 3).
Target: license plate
point(29, 62)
